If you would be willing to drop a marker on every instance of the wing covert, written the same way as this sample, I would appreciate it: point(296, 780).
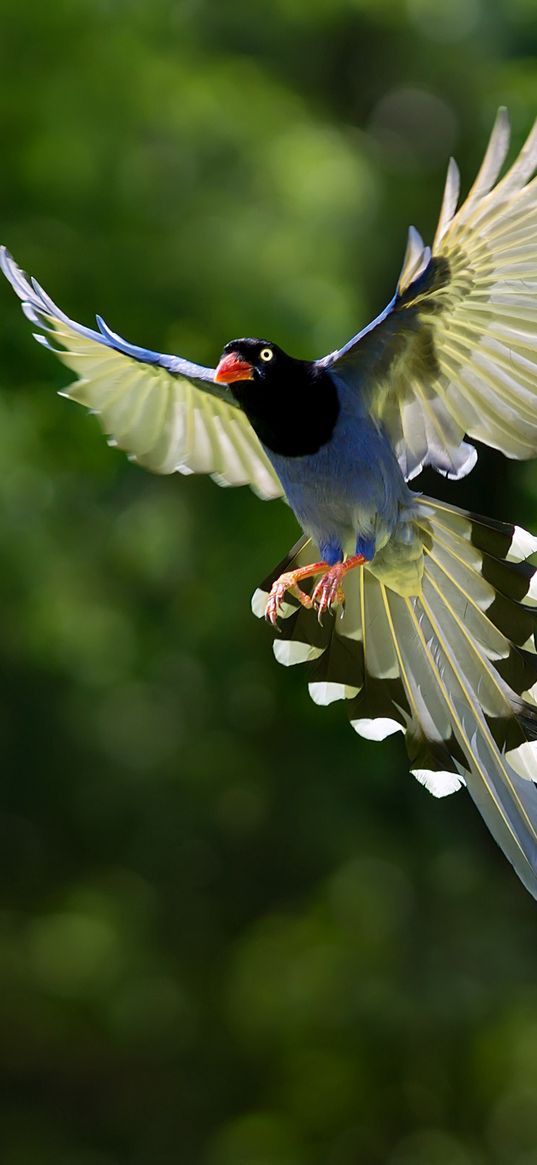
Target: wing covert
point(165, 412)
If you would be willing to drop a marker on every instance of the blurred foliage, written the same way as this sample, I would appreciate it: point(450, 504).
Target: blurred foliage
point(231, 932)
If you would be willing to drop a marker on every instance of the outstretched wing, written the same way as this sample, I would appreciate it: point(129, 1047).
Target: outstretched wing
point(165, 412)
point(455, 351)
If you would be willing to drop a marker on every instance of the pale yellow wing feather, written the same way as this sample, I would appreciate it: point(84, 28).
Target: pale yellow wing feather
point(164, 412)
point(455, 352)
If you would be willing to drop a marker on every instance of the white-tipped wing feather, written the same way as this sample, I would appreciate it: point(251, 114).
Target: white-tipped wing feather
point(165, 412)
point(456, 350)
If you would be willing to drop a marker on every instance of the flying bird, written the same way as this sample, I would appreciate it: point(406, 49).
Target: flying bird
point(419, 616)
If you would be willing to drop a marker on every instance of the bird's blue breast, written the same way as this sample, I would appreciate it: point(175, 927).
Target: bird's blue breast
point(352, 487)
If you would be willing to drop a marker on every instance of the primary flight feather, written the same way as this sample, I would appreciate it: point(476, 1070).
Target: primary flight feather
point(421, 617)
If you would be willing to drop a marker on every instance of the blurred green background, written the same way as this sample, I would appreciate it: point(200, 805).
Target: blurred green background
point(232, 933)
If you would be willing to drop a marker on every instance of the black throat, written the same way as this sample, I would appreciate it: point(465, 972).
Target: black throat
point(293, 408)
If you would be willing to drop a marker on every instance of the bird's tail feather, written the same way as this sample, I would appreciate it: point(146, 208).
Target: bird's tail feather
point(453, 668)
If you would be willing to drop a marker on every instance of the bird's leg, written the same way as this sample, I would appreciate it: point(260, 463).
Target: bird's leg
point(329, 590)
point(289, 582)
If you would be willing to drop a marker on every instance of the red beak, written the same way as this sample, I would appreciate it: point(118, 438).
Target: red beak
point(232, 368)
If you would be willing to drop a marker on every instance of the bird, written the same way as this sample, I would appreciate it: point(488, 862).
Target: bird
point(417, 615)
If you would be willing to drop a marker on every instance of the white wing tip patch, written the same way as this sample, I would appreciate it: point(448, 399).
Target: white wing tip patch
point(324, 692)
point(440, 784)
point(524, 760)
point(377, 729)
point(523, 544)
point(259, 603)
point(289, 652)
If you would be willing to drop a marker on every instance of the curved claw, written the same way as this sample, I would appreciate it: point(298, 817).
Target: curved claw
point(286, 582)
point(329, 592)
point(289, 582)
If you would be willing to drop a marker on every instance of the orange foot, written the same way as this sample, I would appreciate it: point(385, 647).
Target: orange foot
point(289, 582)
point(329, 590)
point(327, 594)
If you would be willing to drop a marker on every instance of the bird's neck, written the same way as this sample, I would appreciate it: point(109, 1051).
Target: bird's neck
point(295, 414)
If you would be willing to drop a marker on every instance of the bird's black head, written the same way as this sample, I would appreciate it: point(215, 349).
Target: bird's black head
point(291, 404)
point(259, 361)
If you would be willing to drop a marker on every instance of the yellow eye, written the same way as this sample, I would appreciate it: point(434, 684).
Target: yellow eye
point(266, 354)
